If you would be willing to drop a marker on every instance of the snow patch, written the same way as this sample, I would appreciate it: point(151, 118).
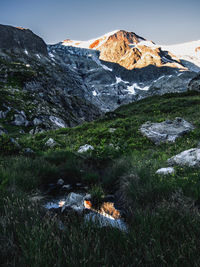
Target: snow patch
point(106, 68)
point(149, 44)
point(51, 55)
point(119, 80)
point(94, 93)
point(131, 88)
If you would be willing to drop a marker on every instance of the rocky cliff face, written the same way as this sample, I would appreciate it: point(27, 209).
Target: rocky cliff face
point(36, 92)
point(18, 39)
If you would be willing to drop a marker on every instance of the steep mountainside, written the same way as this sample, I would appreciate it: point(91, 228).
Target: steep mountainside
point(35, 91)
point(17, 39)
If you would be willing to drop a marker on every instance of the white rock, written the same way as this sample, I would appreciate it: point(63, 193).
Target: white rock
point(60, 182)
point(37, 121)
point(50, 143)
point(166, 131)
point(66, 186)
point(57, 121)
point(74, 201)
point(85, 148)
point(166, 171)
point(190, 158)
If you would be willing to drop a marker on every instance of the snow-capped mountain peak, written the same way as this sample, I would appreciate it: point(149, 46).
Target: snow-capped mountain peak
point(90, 44)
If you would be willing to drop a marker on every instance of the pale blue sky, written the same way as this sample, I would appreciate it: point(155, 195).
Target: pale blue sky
point(164, 22)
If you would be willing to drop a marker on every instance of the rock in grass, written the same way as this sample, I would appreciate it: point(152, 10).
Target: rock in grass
point(74, 201)
point(50, 143)
point(28, 151)
point(166, 171)
point(166, 131)
point(190, 158)
point(20, 120)
point(85, 148)
point(60, 181)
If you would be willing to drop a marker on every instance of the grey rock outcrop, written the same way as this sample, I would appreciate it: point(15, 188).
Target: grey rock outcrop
point(75, 201)
point(18, 39)
point(189, 158)
point(167, 131)
point(85, 148)
point(194, 84)
point(50, 143)
point(20, 120)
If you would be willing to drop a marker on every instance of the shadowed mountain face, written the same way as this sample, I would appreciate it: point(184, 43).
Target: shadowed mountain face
point(18, 39)
point(34, 89)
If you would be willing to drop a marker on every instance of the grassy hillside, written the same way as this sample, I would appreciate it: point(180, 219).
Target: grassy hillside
point(161, 211)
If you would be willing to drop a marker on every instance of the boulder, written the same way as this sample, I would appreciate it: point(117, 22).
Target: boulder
point(50, 143)
point(165, 171)
point(60, 182)
point(194, 84)
point(28, 151)
point(20, 120)
point(74, 201)
point(85, 148)
point(37, 121)
point(167, 131)
point(36, 130)
point(190, 158)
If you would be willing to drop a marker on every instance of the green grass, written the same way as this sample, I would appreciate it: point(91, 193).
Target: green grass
point(161, 214)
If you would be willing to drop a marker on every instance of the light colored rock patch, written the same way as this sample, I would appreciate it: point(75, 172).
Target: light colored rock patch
point(50, 143)
point(85, 148)
point(165, 171)
point(190, 158)
point(166, 131)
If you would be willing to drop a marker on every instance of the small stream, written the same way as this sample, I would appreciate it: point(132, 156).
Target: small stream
point(76, 198)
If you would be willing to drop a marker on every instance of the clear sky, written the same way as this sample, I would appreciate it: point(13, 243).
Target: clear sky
point(162, 21)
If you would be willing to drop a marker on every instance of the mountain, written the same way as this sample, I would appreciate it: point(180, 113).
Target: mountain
point(62, 85)
point(188, 53)
point(34, 90)
point(128, 50)
point(121, 67)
